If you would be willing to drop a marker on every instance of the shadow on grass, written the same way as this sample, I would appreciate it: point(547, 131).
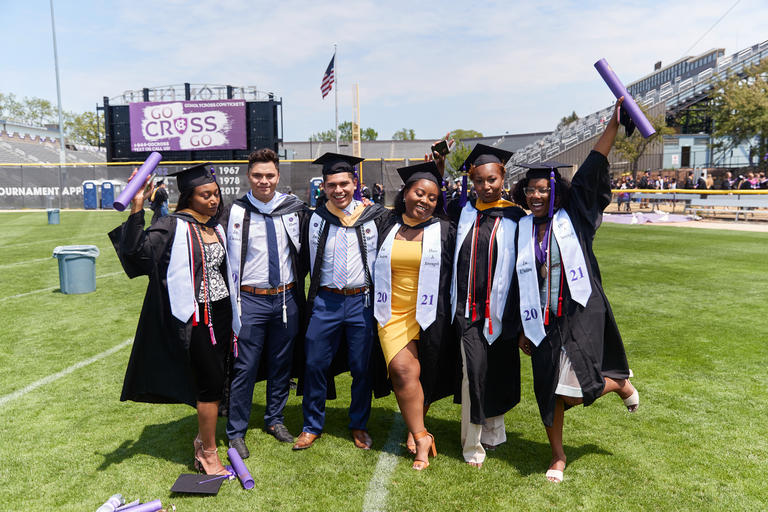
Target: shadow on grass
point(171, 441)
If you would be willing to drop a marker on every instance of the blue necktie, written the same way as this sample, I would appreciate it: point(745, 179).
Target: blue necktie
point(274, 261)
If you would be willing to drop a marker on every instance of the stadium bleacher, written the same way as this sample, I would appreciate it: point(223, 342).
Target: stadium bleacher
point(23, 148)
point(677, 92)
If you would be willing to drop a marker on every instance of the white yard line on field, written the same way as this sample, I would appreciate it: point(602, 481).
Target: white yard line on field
point(63, 373)
point(376, 496)
point(51, 288)
point(7, 265)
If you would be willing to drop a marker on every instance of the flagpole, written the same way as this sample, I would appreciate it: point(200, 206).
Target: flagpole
point(336, 93)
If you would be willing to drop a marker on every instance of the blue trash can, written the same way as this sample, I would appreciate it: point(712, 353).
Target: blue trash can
point(107, 195)
point(53, 215)
point(77, 268)
point(90, 195)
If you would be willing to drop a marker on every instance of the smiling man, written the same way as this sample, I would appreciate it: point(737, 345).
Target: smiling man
point(264, 239)
point(340, 243)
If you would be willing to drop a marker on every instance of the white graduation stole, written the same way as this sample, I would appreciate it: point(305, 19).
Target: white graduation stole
point(502, 277)
point(179, 277)
point(234, 252)
point(573, 264)
point(429, 277)
point(370, 239)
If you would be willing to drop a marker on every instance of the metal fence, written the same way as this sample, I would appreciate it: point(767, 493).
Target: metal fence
point(51, 185)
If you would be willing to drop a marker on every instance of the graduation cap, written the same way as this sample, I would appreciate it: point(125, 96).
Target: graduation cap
point(545, 170)
point(421, 171)
point(192, 177)
point(482, 154)
point(542, 169)
point(198, 484)
point(334, 163)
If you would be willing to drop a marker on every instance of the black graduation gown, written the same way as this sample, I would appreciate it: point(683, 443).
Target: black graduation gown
point(291, 204)
point(493, 370)
point(377, 366)
point(438, 345)
point(589, 334)
point(159, 369)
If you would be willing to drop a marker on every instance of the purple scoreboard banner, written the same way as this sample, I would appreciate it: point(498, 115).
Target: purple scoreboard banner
point(187, 125)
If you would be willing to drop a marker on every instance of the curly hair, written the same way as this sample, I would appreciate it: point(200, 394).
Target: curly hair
point(562, 192)
point(399, 206)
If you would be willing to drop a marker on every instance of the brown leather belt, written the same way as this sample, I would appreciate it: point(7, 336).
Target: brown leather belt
point(265, 291)
point(344, 291)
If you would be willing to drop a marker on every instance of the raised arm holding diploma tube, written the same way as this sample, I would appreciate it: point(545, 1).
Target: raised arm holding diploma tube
point(184, 331)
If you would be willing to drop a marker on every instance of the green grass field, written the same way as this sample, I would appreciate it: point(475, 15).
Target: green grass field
point(691, 305)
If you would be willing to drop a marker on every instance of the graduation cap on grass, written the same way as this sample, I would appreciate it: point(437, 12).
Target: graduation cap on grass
point(195, 176)
point(189, 483)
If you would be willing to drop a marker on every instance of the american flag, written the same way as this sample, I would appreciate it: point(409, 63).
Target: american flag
point(327, 84)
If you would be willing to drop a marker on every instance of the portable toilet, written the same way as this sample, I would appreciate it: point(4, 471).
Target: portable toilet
point(90, 195)
point(107, 195)
point(314, 185)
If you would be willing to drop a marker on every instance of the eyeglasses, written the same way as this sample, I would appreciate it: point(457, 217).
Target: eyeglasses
point(529, 191)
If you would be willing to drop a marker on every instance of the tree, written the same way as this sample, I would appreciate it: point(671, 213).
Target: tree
point(460, 151)
point(39, 112)
point(10, 108)
point(740, 112)
point(632, 148)
point(465, 134)
point(404, 134)
point(345, 134)
point(369, 134)
point(85, 128)
point(568, 119)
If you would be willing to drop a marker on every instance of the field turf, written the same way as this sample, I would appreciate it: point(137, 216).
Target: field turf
point(691, 306)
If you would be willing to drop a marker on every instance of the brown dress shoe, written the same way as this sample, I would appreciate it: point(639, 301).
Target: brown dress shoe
point(304, 441)
point(362, 439)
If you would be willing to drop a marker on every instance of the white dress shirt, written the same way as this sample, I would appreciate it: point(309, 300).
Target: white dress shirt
point(355, 272)
point(256, 268)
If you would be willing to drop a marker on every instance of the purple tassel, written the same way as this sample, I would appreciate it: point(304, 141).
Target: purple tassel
point(213, 338)
point(463, 197)
point(358, 195)
point(551, 193)
point(444, 198)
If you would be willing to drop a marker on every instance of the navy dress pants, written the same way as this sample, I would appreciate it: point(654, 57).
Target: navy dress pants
point(333, 314)
point(262, 335)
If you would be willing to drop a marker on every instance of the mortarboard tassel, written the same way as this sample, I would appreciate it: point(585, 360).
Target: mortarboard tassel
point(463, 196)
point(358, 195)
point(444, 198)
point(551, 193)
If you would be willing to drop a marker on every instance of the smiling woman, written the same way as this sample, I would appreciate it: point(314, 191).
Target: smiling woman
point(183, 337)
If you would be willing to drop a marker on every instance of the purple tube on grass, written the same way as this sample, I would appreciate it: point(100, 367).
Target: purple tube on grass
point(240, 469)
point(618, 90)
point(152, 506)
point(133, 186)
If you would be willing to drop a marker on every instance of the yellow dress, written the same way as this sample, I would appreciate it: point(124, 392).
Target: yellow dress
point(402, 326)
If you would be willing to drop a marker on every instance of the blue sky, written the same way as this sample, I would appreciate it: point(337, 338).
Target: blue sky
point(494, 67)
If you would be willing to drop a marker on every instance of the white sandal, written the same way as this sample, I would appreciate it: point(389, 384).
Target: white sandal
point(632, 401)
point(555, 474)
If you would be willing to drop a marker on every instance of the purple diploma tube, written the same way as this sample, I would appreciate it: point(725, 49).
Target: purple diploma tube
point(152, 506)
point(133, 186)
point(242, 472)
point(618, 90)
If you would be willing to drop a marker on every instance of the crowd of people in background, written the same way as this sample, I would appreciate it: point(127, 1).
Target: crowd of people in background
point(705, 181)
